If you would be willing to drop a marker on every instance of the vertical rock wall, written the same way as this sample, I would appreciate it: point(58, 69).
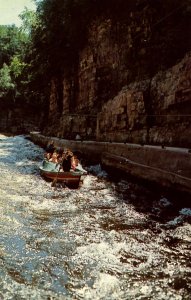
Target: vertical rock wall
point(125, 87)
point(18, 120)
point(152, 111)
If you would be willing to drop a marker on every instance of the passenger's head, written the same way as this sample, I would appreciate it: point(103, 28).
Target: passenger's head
point(69, 152)
point(55, 154)
point(63, 154)
point(48, 155)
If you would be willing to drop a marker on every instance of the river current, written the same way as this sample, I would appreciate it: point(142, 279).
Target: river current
point(108, 239)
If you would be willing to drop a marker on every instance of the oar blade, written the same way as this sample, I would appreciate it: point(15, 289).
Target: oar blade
point(54, 182)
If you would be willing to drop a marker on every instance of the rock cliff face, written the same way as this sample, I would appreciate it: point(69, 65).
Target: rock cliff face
point(132, 83)
point(153, 111)
point(18, 120)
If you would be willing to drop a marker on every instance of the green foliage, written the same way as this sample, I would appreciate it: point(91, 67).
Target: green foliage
point(16, 45)
point(17, 66)
point(6, 83)
point(29, 21)
point(11, 43)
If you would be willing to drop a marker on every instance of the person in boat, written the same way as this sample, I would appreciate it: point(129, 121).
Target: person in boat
point(75, 162)
point(49, 150)
point(67, 158)
point(78, 166)
point(55, 157)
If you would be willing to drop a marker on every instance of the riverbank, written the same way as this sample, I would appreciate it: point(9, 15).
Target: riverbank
point(167, 166)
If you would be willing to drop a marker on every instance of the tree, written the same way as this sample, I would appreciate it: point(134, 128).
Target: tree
point(17, 66)
point(6, 86)
point(6, 83)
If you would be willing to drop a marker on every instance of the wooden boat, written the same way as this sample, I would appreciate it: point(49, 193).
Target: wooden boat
point(50, 171)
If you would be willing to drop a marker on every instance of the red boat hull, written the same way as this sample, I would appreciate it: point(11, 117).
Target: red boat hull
point(71, 179)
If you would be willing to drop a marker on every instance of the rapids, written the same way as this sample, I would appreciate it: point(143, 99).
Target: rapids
point(109, 239)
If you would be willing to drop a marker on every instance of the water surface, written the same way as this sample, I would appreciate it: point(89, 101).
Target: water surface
point(105, 240)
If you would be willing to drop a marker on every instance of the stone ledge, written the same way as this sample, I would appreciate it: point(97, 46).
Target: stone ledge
point(157, 175)
point(169, 167)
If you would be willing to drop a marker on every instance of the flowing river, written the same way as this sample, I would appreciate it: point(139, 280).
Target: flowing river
point(109, 239)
